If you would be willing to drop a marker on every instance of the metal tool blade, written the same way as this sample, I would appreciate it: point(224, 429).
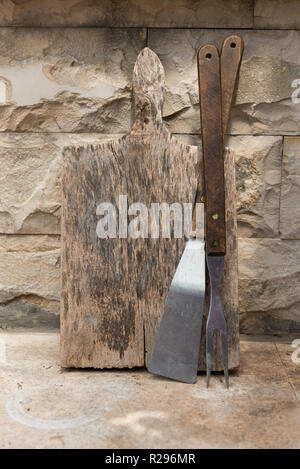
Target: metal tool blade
point(176, 348)
point(216, 320)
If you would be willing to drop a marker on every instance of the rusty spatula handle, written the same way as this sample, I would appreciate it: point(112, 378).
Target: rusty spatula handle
point(212, 147)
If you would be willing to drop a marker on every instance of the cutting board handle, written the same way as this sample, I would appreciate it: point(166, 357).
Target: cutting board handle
point(148, 89)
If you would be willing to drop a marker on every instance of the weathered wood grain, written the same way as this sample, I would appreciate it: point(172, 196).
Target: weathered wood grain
point(114, 290)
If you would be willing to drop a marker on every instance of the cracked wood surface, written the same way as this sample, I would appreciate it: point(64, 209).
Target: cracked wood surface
point(114, 290)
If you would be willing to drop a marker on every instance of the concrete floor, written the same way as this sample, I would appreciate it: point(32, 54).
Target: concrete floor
point(43, 406)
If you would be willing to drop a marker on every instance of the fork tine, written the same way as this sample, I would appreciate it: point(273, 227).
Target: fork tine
point(223, 335)
point(209, 351)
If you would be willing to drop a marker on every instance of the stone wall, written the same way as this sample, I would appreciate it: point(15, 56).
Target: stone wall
point(65, 78)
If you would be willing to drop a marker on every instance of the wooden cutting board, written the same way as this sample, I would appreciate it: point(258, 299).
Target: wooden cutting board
point(114, 290)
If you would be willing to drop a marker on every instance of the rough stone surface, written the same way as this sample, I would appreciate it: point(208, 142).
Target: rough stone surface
point(263, 105)
point(134, 409)
point(258, 173)
point(30, 179)
point(84, 79)
point(67, 79)
point(29, 281)
point(290, 189)
point(70, 83)
point(128, 13)
point(269, 286)
point(283, 14)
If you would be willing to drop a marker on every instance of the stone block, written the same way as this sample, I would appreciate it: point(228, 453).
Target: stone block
point(128, 13)
point(269, 286)
point(263, 104)
point(67, 79)
point(29, 281)
point(290, 189)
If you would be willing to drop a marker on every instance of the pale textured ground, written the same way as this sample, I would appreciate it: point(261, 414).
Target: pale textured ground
point(43, 406)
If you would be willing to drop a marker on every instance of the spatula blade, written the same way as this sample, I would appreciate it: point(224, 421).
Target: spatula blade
point(176, 349)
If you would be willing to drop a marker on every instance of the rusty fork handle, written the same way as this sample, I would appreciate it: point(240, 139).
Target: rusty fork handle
point(230, 61)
